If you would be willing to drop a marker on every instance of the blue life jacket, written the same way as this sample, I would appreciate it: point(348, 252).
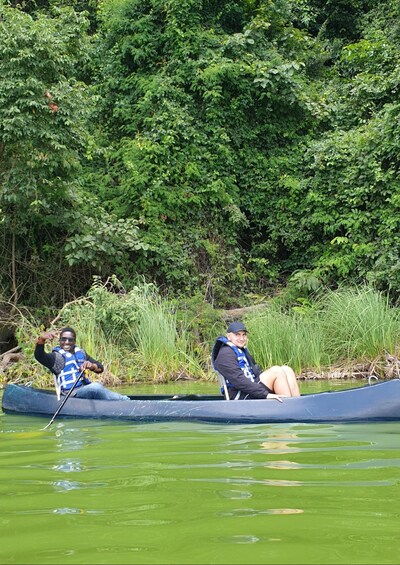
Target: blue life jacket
point(71, 371)
point(241, 356)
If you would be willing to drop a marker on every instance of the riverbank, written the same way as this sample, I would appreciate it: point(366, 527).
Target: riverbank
point(140, 336)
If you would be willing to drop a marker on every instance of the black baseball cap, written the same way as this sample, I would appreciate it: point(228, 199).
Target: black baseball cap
point(236, 327)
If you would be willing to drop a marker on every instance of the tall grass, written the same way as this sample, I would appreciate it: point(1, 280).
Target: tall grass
point(138, 335)
point(280, 338)
point(345, 326)
point(134, 334)
point(358, 323)
point(161, 349)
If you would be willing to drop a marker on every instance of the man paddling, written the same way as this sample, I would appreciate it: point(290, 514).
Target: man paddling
point(67, 361)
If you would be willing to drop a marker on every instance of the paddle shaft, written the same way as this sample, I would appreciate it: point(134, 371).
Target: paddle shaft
point(65, 400)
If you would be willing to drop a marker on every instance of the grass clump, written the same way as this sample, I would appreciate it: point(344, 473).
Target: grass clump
point(343, 327)
point(135, 334)
point(287, 338)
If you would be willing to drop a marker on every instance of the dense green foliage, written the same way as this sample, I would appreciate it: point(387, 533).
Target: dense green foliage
point(205, 107)
point(351, 179)
point(214, 147)
point(48, 220)
point(41, 136)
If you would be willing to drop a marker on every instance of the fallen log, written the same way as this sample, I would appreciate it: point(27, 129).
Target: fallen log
point(238, 313)
point(11, 356)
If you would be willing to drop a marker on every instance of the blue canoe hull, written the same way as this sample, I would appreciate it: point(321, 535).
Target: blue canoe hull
point(378, 402)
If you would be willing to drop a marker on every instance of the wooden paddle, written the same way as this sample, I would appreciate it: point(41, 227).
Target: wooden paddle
point(65, 400)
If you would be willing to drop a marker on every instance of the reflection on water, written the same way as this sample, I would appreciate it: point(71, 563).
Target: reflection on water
point(113, 492)
point(245, 512)
point(68, 466)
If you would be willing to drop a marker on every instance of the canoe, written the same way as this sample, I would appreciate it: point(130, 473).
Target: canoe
point(376, 402)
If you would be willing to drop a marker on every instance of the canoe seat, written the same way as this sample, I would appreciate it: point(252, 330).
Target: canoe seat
point(222, 384)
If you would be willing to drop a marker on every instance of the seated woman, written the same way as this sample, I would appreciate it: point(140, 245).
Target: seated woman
point(245, 380)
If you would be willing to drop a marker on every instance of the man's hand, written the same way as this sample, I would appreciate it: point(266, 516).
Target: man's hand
point(276, 396)
point(45, 336)
point(89, 366)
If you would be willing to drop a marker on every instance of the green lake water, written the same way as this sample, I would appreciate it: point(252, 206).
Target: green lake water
point(87, 491)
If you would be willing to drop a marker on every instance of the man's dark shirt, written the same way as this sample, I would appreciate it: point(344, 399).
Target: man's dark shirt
point(227, 364)
point(53, 362)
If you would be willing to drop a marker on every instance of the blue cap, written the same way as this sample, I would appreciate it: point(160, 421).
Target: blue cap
point(235, 327)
